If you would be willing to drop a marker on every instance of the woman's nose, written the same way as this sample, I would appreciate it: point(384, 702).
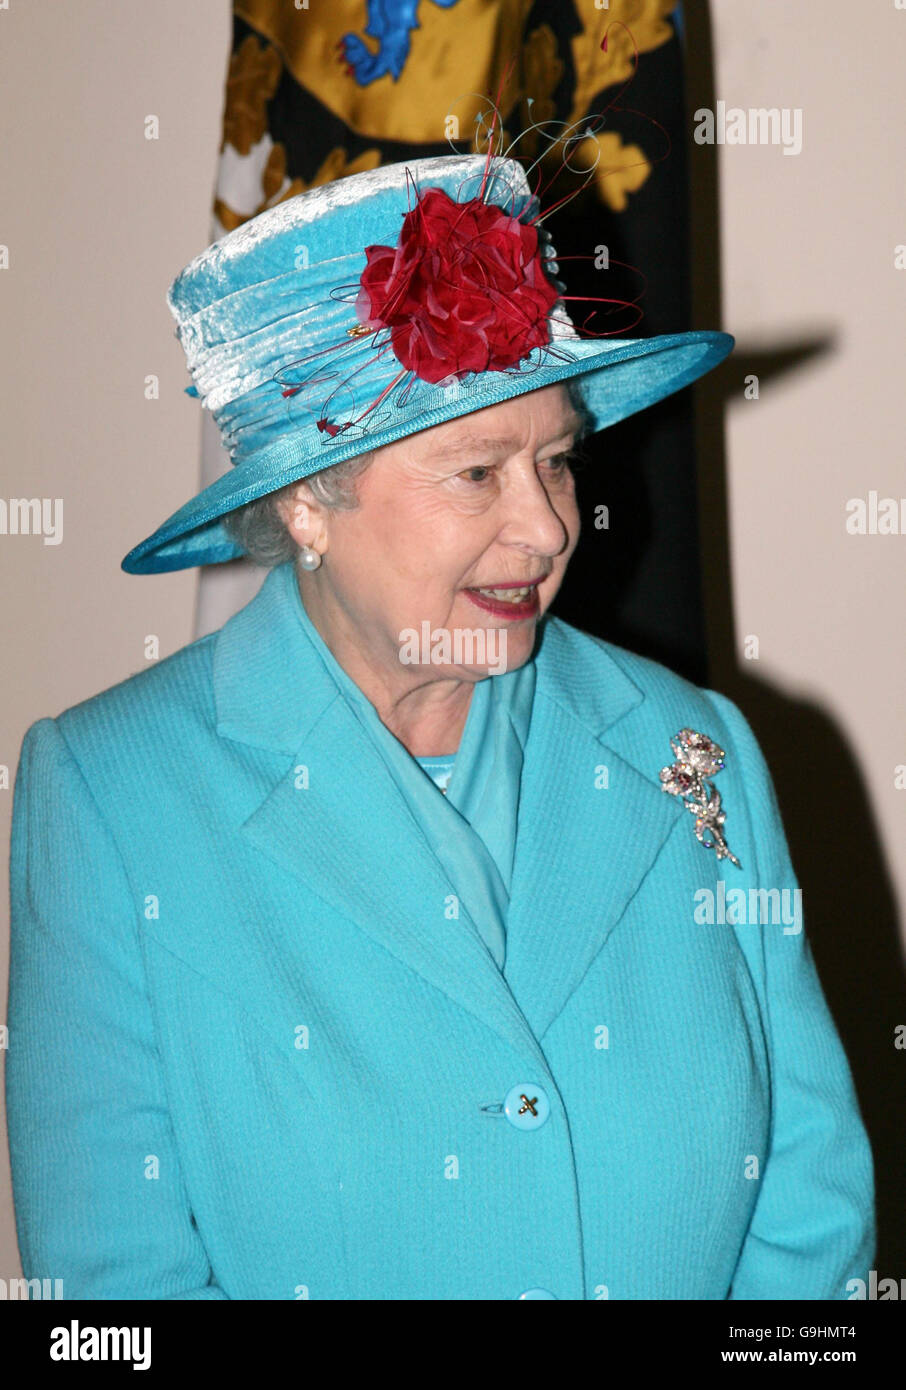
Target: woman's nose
point(531, 516)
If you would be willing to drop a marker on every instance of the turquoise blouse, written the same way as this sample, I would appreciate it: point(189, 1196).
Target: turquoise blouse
point(472, 828)
point(438, 769)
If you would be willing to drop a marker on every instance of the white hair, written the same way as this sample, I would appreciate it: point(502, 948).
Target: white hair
point(260, 530)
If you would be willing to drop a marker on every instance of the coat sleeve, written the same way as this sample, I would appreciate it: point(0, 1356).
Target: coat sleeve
point(813, 1225)
point(99, 1198)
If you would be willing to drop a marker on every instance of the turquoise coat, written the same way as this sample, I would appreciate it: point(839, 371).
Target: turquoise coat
point(249, 1056)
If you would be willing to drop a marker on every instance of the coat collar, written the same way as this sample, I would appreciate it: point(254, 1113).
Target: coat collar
point(268, 689)
point(272, 691)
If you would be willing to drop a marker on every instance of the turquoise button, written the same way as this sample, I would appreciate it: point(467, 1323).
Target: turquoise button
point(526, 1106)
point(538, 1293)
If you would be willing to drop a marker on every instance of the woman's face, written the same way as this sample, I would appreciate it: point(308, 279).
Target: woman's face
point(445, 517)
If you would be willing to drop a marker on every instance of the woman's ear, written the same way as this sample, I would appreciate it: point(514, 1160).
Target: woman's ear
point(304, 517)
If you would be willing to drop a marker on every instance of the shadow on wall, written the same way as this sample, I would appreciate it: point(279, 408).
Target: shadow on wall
point(850, 908)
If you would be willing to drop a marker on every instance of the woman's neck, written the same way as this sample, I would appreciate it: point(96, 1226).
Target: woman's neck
point(431, 725)
point(426, 715)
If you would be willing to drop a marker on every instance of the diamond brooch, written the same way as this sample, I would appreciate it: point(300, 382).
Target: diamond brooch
point(697, 758)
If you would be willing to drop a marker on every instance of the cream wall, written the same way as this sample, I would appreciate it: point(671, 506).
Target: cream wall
point(98, 219)
point(808, 244)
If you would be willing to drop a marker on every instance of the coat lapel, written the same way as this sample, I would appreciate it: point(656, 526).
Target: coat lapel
point(349, 836)
point(592, 823)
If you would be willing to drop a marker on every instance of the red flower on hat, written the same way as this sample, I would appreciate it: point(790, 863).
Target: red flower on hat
point(464, 289)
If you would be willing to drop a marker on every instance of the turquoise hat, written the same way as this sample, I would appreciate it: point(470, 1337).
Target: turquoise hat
point(365, 310)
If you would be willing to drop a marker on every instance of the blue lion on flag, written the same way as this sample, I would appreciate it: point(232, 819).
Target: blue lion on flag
point(390, 22)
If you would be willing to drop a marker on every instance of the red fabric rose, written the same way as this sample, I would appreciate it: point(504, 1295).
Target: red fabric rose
point(464, 290)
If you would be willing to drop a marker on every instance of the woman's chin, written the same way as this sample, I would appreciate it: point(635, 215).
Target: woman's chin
point(509, 646)
point(468, 651)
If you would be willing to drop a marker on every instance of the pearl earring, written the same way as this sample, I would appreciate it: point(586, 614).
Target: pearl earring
point(309, 558)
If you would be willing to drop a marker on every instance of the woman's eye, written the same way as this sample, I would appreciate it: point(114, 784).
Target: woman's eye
point(480, 472)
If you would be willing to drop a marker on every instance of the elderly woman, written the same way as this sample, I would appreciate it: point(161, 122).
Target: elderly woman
point(367, 948)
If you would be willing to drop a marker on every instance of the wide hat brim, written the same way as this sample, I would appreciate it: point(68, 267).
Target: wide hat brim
point(617, 378)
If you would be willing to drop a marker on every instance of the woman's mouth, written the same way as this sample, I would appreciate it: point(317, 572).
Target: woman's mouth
point(508, 600)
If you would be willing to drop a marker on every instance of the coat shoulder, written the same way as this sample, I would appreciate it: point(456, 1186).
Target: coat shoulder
point(637, 706)
point(642, 705)
point(605, 680)
point(161, 707)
